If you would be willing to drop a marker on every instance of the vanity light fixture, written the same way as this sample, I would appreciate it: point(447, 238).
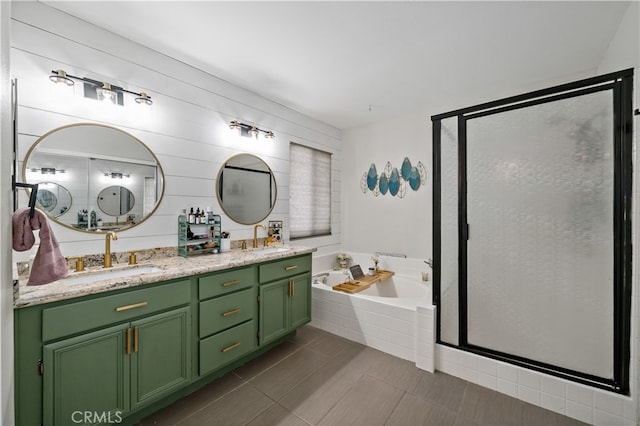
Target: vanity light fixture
point(103, 90)
point(116, 175)
point(250, 130)
point(60, 77)
point(47, 170)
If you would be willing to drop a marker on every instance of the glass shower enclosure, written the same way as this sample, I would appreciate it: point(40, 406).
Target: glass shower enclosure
point(532, 229)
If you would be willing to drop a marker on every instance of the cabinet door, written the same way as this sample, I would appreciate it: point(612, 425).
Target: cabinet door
point(86, 378)
point(160, 358)
point(274, 310)
point(300, 300)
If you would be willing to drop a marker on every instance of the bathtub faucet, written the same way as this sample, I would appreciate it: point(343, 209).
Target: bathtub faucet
point(378, 253)
point(321, 277)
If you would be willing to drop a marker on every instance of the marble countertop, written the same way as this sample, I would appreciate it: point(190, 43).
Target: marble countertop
point(164, 268)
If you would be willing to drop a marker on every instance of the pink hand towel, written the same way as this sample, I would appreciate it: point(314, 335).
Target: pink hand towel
point(49, 264)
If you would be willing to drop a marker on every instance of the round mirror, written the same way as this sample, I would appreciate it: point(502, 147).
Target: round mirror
point(116, 200)
point(246, 189)
point(87, 159)
point(53, 198)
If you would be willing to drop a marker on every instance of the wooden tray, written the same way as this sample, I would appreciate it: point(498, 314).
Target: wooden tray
point(363, 282)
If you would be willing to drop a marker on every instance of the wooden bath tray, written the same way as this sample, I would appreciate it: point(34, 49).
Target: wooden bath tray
point(363, 282)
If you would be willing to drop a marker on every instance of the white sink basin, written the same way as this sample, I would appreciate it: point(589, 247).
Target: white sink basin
point(107, 274)
point(269, 250)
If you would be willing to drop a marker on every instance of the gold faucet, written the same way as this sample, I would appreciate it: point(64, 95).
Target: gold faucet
point(107, 248)
point(255, 234)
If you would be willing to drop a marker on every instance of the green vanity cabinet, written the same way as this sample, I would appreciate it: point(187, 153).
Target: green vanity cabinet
point(86, 373)
point(160, 355)
point(300, 300)
point(115, 370)
point(274, 310)
point(285, 297)
point(105, 355)
point(117, 356)
point(227, 317)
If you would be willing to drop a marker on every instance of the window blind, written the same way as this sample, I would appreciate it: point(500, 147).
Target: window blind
point(309, 192)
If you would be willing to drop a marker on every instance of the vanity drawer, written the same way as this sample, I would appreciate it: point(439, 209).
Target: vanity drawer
point(226, 311)
point(226, 282)
point(106, 310)
point(285, 268)
point(225, 347)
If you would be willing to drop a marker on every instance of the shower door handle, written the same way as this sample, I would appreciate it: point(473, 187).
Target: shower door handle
point(465, 232)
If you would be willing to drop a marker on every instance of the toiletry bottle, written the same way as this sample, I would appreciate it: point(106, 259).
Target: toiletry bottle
point(192, 216)
point(209, 215)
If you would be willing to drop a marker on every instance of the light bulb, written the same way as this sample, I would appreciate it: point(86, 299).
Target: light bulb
point(143, 98)
point(106, 94)
point(60, 77)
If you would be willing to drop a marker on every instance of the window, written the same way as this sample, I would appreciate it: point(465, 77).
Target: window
point(309, 192)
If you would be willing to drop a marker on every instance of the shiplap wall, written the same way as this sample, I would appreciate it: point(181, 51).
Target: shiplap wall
point(187, 127)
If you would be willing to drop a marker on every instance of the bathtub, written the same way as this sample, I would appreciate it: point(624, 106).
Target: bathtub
point(395, 316)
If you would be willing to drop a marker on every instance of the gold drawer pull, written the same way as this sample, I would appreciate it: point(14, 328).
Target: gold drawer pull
point(127, 307)
point(231, 312)
point(228, 283)
point(291, 268)
point(128, 342)
point(231, 347)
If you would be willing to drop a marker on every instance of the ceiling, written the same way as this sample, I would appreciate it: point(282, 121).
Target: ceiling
point(352, 63)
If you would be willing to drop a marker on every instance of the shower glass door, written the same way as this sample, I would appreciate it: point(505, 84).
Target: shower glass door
point(532, 229)
point(540, 244)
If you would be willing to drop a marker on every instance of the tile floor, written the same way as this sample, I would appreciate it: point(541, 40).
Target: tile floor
point(318, 378)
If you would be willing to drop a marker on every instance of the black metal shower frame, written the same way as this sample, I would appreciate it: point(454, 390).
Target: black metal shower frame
point(622, 85)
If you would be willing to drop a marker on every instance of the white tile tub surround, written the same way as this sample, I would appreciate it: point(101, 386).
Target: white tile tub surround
point(584, 403)
point(590, 405)
point(402, 331)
